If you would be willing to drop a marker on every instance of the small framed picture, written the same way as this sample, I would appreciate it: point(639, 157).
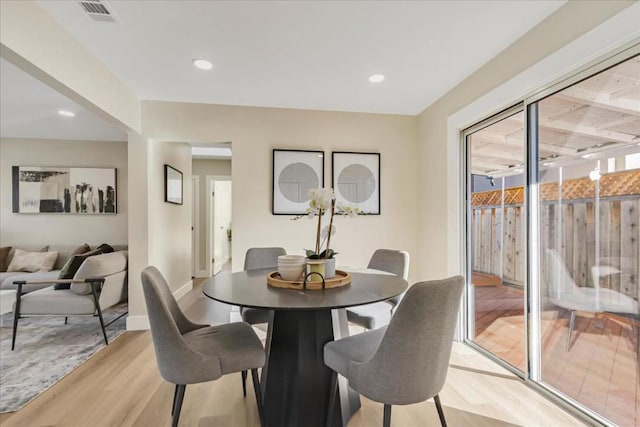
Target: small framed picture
point(356, 180)
point(295, 172)
point(172, 185)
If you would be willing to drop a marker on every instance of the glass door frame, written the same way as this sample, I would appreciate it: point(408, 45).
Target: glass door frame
point(531, 206)
point(468, 320)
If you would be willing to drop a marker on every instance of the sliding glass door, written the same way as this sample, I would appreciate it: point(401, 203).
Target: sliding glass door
point(496, 227)
point(561, 238)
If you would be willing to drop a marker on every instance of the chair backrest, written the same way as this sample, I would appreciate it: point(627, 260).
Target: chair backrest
point(411, 363)
point(177, 363)
point(391, 261)
point(559, 280)
point(257, 258)
point(113, 267)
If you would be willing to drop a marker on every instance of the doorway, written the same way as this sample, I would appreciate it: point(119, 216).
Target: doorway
point(219, 230)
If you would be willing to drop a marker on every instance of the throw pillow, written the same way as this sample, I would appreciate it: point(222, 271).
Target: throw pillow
point(32, 261)
point(81, 249)
point(4, 255)
point(106, 249)
point(72, 265)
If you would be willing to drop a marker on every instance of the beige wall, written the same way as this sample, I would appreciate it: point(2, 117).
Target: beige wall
point(170, 224)
point(62, 229)
point(202, 168)
point(439, 171)
point(255, 132)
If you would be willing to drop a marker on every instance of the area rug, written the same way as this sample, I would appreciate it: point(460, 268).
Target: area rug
point(47, 350)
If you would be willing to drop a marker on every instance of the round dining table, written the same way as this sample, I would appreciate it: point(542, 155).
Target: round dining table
point(295, 382)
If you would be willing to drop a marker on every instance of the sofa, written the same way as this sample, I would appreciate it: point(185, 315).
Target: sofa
point(7, 278)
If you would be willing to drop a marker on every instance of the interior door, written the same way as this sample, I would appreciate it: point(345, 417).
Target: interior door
point(221, 222)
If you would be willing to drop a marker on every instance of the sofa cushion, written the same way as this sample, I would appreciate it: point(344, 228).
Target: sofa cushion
point(25, 248)
point(50, 301)
point(98, 266)
point(32, 261)
point(4, 255)
point(8, 278)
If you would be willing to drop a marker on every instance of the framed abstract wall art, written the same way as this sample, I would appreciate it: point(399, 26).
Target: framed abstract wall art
point(45, 189)
point(356, 180)
point(295, 172)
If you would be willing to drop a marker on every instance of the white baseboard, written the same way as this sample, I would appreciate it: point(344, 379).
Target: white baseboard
point(137, 323)
point(183, 290)
point(141, 323)
point(202, 274)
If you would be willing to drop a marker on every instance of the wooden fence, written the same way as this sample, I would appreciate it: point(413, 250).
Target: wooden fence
point(568, 225)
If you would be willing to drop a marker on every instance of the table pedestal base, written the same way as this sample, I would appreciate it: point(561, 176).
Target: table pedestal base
point(296, 381)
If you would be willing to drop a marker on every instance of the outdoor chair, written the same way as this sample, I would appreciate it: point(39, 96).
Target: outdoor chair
point(565, 293)
point(189, 353)
point(405, 362)
point(373, 316)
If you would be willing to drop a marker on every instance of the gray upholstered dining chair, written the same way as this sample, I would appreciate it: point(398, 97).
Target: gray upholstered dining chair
point(189, 353)
point(376, 315)
point(405, 362)
point(256, 259)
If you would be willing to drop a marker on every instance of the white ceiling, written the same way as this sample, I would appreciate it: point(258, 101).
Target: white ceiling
point(29, 109)
point(297, 54)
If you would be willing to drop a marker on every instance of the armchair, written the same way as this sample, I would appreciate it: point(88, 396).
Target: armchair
point(98, 284)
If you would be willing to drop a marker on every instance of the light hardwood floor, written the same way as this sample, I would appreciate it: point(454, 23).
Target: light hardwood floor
point(121, 386)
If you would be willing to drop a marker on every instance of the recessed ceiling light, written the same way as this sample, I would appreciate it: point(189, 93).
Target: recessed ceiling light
point(376, 78)
point(203, 64)
point(66, 113)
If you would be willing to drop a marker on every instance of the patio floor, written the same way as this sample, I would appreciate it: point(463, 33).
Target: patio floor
point(601, 369)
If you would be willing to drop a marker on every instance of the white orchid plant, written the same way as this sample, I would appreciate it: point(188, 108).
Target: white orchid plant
point(323, 200)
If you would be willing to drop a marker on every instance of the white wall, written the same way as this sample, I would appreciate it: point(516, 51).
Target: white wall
point(255, 132)
point(62, 229)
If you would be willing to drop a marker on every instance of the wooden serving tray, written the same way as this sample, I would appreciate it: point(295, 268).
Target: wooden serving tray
point(342, 278)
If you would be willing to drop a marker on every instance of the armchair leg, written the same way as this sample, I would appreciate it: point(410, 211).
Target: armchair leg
point(436, 399)
point(180, 389)
point(258, 392)
point(572, 321)
point(16, 316)
point(386, 422)
point(97, 305)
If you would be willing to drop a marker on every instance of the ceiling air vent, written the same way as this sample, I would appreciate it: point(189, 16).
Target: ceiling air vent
point(98, 11)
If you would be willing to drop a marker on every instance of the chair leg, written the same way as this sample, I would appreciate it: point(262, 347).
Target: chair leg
point(436, 399)
point(332, 397)
point(180, 389)
point(386, 422)
point(16, 316)
point(97, 305)
point(244, 383)
point(572, 321)
point(173, 404)
point(258, 392)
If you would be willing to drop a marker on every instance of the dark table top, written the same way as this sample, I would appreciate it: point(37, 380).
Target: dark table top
point(250, 289)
